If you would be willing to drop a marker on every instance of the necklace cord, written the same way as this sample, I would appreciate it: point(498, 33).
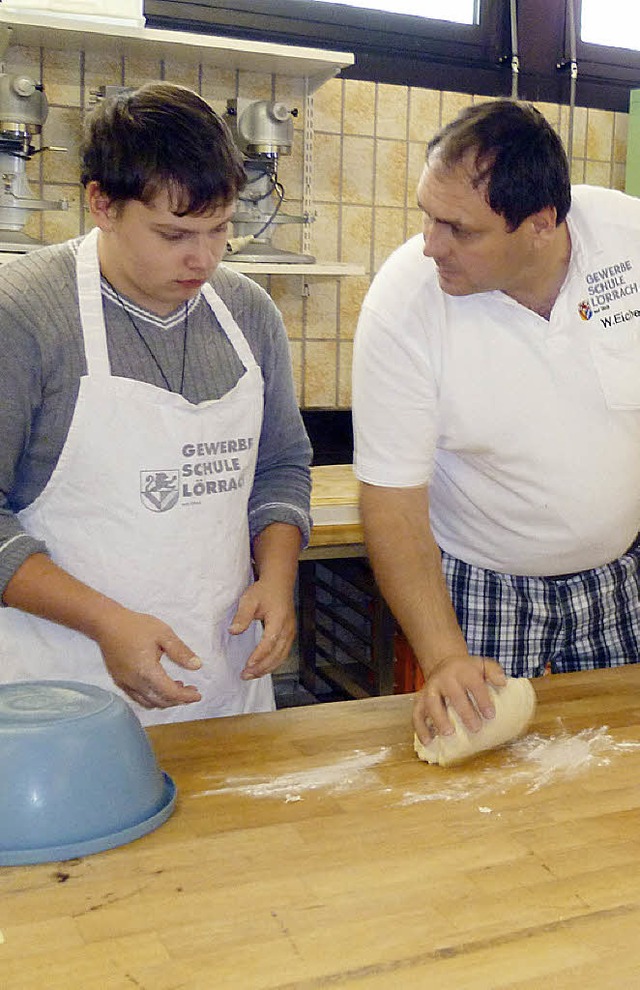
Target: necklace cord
point(154, 358)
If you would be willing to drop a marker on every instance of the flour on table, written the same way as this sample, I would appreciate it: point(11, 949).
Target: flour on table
point(564, 755)
point(353, 771)
point(534, 761)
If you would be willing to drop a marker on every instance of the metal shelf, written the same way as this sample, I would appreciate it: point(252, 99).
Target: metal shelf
point(68, 32)
point(291, 268)
point(57, 31)
point(346, 631)
point(255, 269)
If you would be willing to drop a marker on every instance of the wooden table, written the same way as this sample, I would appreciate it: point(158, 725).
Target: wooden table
point(387, 874)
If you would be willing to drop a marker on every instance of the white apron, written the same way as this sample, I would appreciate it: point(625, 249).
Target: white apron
point(148, 504)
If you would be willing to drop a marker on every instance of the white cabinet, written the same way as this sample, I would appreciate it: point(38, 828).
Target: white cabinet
point(61, 32)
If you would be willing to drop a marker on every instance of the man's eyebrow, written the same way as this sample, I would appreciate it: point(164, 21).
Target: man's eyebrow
point(450, 223)
point(177, 227)
point(167, 225)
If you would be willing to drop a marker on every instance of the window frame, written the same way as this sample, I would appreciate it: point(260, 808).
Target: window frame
point(392, 48)
point(589, 52)
point(601, 63)
point(373, 36)
point(319, 25)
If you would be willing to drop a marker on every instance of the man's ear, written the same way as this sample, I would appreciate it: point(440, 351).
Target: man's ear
point(544, 222)
point(102, 208)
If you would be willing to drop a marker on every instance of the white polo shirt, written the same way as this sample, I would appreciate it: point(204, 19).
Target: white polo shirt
point(527, 431)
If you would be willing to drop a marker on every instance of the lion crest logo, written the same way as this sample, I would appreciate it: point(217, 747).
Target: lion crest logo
point(159, 489)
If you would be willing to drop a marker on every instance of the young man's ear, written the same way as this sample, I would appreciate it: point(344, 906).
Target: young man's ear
point(102, 208)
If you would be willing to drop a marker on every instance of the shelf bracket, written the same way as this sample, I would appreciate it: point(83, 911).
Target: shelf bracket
point(307, 166)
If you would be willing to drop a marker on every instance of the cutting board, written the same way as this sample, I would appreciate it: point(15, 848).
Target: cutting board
point(334, 494)
point(334, 506)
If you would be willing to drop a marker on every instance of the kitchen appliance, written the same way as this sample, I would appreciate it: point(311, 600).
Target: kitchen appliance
point(262, 131)
point(23, 111)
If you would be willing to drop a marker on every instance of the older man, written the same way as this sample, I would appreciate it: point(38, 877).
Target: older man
point(497, 417)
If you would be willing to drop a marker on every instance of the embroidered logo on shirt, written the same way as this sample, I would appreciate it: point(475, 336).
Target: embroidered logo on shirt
point(606, 286)
point(159, 489)
point(584, 309)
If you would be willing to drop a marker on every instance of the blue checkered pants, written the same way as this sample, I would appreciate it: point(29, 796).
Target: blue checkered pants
point(566, 623)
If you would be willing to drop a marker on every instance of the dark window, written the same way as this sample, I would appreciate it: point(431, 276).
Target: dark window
point(388, 47)
point(460, 11)
point(410, 50)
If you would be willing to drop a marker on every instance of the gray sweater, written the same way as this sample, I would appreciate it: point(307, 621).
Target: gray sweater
point(42, 359)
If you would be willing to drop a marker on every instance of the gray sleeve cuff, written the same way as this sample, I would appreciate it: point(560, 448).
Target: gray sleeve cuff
point(13, 554)
point(283, 512)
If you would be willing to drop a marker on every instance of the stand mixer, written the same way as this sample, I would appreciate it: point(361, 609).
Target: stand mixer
point(262, 131)
point(23, 111)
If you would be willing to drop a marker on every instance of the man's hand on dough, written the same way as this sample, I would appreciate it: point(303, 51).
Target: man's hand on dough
point(461, 682)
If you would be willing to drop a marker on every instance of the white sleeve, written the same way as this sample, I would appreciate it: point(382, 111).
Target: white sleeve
point(394, 398)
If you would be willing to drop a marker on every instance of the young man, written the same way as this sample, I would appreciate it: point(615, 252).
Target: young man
point(153, 458)
point(498, 440)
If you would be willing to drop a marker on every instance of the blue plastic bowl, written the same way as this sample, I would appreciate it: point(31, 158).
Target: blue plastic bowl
point(77, 773)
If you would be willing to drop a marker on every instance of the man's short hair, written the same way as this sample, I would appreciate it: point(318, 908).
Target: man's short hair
point(518, 155)
point(162, 136)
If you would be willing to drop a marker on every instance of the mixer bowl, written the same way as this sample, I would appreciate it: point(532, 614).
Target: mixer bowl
point(77, 773)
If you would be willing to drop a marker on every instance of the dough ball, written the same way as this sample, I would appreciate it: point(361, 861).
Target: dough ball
point(514, 703)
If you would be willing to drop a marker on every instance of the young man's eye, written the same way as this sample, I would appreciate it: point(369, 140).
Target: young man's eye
point(167, 235)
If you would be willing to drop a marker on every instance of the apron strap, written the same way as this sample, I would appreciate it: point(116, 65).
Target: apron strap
point(229, 325)
point(91, 311)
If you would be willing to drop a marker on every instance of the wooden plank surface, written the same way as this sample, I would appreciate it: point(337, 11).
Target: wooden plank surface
point(310, 848)
point(334, 506)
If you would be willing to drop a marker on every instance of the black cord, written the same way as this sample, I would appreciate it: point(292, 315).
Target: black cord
point(148, 347)
point(273, 183)
point(279, 189)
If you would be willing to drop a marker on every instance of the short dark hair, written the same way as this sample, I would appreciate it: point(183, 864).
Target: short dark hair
point(517, 153)
point(162, 136)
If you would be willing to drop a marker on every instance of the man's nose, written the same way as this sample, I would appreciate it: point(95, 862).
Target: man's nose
point(434, 238)
point(200, 255)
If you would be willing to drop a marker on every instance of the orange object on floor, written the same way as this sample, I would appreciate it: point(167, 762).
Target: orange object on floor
point(407, 675)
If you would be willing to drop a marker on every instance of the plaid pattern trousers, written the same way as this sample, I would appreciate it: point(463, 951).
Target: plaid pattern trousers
point(561, 623)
